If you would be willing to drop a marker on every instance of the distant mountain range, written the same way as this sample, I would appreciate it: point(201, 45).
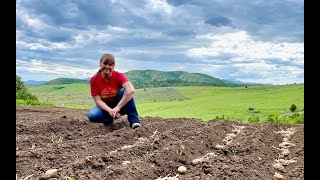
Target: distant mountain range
point(34, 82)
point(154, 78)
point(240, 82)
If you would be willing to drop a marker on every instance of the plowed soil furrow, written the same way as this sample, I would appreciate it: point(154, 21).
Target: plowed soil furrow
point(63, 139)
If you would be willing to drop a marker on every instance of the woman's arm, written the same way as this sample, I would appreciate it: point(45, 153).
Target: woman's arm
point(101, 104)
point(127, 95)
point(105, 107)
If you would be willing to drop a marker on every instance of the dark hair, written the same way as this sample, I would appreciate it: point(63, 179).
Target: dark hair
point(106, 58)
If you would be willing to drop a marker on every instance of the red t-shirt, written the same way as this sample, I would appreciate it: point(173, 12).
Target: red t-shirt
point(107, 91)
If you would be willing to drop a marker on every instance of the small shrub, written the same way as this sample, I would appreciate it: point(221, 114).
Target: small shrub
point(217, 117)
point(58, 87)
point(293, 107)
point(33, 102)
point(253, 119)
point(291, 118)
point(273, 118)
point(300, 118)
point(250, 108)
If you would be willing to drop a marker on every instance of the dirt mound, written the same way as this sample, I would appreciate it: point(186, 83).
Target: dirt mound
point(64, 141)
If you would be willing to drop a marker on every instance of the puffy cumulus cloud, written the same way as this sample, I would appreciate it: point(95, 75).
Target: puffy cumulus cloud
point(242, 48)
point(255, 59)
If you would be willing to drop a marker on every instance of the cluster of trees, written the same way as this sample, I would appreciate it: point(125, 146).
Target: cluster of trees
point(138, 84)
point(24, 97)
point(22, 92)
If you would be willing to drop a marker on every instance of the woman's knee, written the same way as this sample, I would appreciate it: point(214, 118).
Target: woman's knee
point(92, 116)
point(95, 114)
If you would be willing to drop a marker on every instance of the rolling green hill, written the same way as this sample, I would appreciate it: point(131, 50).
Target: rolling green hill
point(66, 81)
point(153, 78)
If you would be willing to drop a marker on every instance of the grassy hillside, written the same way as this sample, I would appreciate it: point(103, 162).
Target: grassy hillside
point(76, 95)
point(255, 102)
point(66, 81)
point(203, 102)
point(153, 78)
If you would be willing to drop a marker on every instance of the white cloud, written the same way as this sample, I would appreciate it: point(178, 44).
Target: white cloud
point(159, 6)
point(241, 46)
point(55, 69)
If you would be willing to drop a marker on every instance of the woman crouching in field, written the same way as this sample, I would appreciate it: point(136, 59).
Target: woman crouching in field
point(112, 93)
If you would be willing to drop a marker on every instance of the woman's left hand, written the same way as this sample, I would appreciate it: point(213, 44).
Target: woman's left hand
point(115, 111)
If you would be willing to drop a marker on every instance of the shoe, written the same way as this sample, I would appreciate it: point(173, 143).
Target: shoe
point(136, 125)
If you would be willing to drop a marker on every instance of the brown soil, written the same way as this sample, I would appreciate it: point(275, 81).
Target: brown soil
point(63, 139)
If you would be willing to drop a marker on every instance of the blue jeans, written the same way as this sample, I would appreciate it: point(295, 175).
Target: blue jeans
point(98, 115)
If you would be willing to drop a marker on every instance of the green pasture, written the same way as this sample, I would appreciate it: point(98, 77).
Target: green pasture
point(65, 95)
point(247, 103)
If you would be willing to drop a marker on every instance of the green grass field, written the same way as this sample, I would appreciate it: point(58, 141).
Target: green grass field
point(206, 103)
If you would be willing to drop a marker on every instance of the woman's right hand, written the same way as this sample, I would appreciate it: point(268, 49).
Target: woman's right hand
point(118, 116)
point(114, 114)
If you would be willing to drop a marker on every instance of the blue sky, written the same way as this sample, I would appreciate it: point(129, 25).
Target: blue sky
point(251, 41)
